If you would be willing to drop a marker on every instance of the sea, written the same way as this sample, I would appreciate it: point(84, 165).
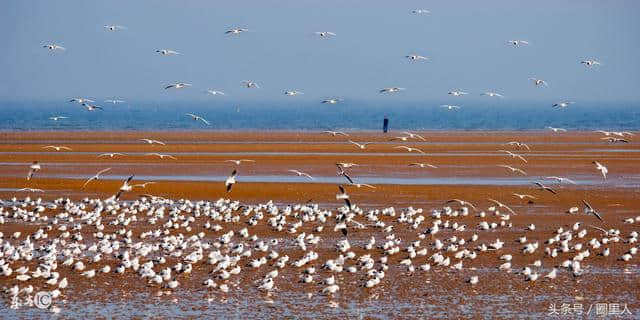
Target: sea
point(313, 116)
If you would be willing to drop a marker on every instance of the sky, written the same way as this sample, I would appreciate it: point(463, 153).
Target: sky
point(465, 40)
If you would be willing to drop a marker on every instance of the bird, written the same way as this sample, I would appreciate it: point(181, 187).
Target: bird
point(589, 209)
point(95, 177)
point(362, 146)
point(167, 52)
point(557, 129)
point(457, 93)
point(513, 155)
point(590, 63)
point(240, 161)
point(473, 280)
point(114, 27)
point(324, 33)
point(56, 118)
point(332, 100)
point(178, 85)
point(143, 185)
point(81, 100)
point(231, 180)
point(250, 84)
point(615, 140)
point(293, 93)
point(342, 195)
point(422, 165)
point(517, 43)
point(30, 190)
point(409, 149)
point(341, 172)
point(197, 118)
point(539, 82)
point(561, 179)
point(543, 187)
point(236, 31)
point(152, 141)
point(215, 92)
point(300, 174)
point(461, 202)
point(501, 205)
point(360, 185)
point(33, 168)
point(420, 11)
point(413, 135)
point(449, 106)
point(91, 107)
point(415, 57)
point(57, 148)
point(54, 47)
point(161, 156)
point(602, 168)
point(523, 196)
point(513, 169)
point(335, 133)
point(114, 101)
point(562, 104)
point(124, 188)
point(391, 90)
point(492, 94)
point(110, 154)
point(519, 145)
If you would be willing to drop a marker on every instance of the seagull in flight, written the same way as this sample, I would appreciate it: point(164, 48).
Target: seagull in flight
point(457, 93)
point(167, 52)
point(114, 101)
point(57, 148)
point(391, 90)
point(420, 11)
point(602, 169)
point(422, 165)
point(341, 172)
point(414, 135)
point(54, 47)
point(543, 187)
point(561, 179)
point(143, 185)
point(449, 107)
point(514, 155)
point(517, 43)
point(250, 84)
point(402, 138)
point(293, 93)
point(360, 185)
point(325, 33)
point(114, 27)
point(415, 57)
point(92, 107)
point(332, 100)
point(240, 161)
point(590, 63)
point(197, 118)
point(462, 203)
point(236, 31)
point(124, 188)
point(342, 195)
point(519, 145)
point(301, 174)
point(346, 164)
point(33, 168)
point(56, 118)
point(523, 196)
point(95, 177)
point(562, 104)
point(614, 140)
point(539, 82)
point(110, 154)
point(335, 133)
point(501, 205)
point(513, 169)
point(81, 100)
point(362, 146)
point(492, 94)
point(557, 129)
point(589, 209)
point(161, 156)
point(214, 92)
point(231, 180)
point(30, 190)
point(409, 149)
point(178, 85)
point(152, 141)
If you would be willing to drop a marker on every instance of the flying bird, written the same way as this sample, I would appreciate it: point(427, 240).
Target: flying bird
point(30, 190)
point(513, 155)
point(240, 161)
point(332, 100)
point(615, 140)
point(236, 31)
point(335, 133)
point(513, 169)
point(557, 129)
point(57, 148)
point(420, 11)
point(342, 195)
point(56, 118)
point(391, 90)
point(324, 33)
point(602, 169)
point(543, 187)
point(589, 209)
point(114, 101)
point(501, 205)
point(231, 180)
point(215, 92)
point(362, 146)
point(561, 179)
point(161, 156)
point(523, 196)
point(92, 107)
point(415, 57)
point(517, 43)
point(197, 118)
point(301, 174)
point(152, 141)
point(54, 47)
point(81, 100)
point(33, 168)
point(126, 187)
point(450, 107)
point(110, 154)
point(167, 52)
point(518, 145)
point(414, 135)
point(250, 84)
point(293, 93)
point(422, 165)
point(562, 104)
point(457, 93)
point(539, 82)
point(492, 94)
point(114, 27)
point(95, 177)
point(461, 202)
point(590, 63)
point(409, 149)
point(178, 85)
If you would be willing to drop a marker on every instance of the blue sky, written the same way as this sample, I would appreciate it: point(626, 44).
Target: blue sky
point(466, 41)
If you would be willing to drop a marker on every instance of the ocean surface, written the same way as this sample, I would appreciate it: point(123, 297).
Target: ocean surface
point(312, 115)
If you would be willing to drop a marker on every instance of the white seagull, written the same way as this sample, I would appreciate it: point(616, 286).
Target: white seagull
point(409, 149)
point(91, 107)
point(300, 173)
point(561, 179)
point(513, 155)
point(602, 169)
point(517, 43)
point(362, 146)
point(324, 33)
point(33, 168)
point(57, 148)
point(161, 156)
point(557, 129)
point(457, 93)
point(293, 93)
point(422, 165)
point(114, 101)
point(178, 85)
point(416, 57)
point(81, 100)
point(214, 92)
point(513, 169)
point(562, 104)
point(56, 118)
point(449, 106)
point(539, 82)
point(124, 188)
point(236, 31)
point(492, 94)
point(152, 141)
point(95, 177)
point(250, 84)
point(53, 47)
point(414, 135)
point(332, 100)
point(420, 11)
point(110, 154)
point(197, 118)
point(231, 180)
point(114, 27)
point(391, 90)
point(590, 63)
point(335, 133)
point(240, 161)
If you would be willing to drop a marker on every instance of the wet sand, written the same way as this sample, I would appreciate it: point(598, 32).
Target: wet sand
point(439, 293)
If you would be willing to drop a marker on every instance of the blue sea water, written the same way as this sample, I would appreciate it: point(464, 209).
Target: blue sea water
point(312, 115)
